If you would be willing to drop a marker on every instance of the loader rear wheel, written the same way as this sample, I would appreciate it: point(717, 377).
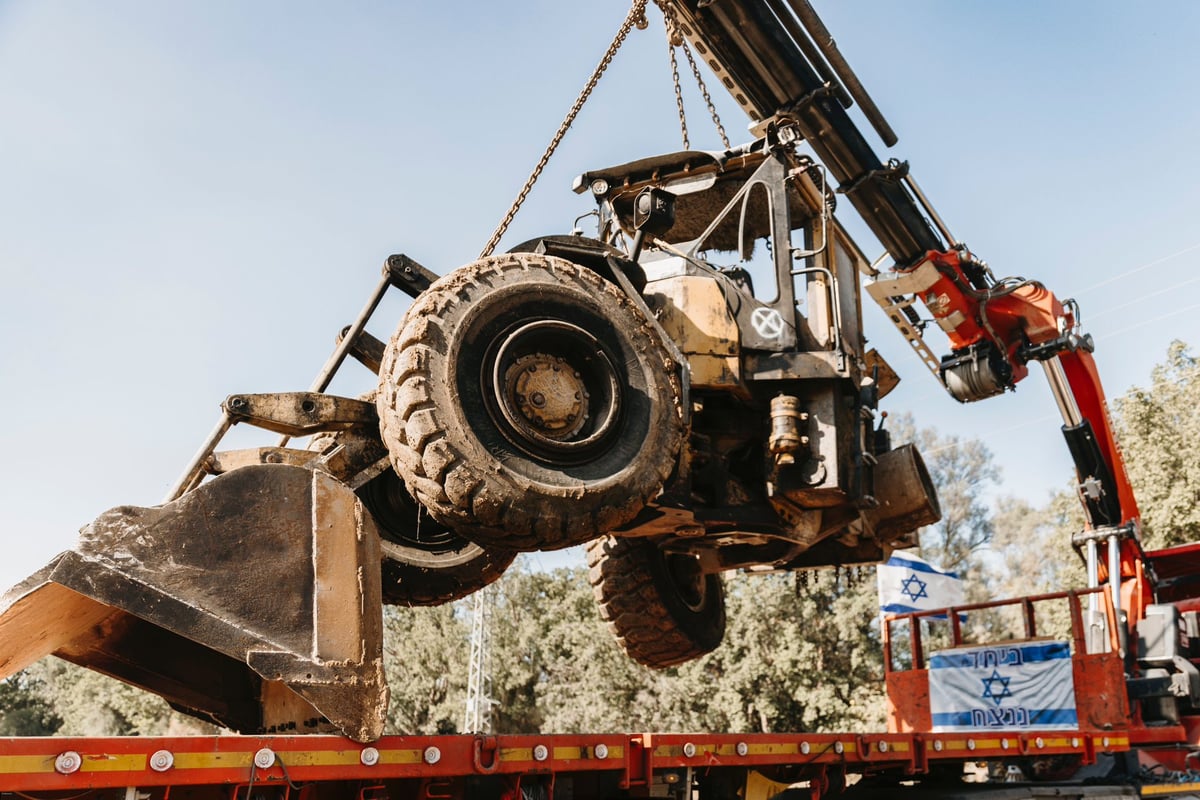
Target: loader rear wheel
point(662, 608)
point(528, 405)
point(424, 562)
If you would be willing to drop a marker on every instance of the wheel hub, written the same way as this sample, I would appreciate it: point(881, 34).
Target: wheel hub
point(555, 392)
point(550, 394)
point(688, 579)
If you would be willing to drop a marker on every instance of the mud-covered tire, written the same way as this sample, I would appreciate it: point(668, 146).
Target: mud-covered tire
point(662, 610)
point(424, 563)
point(459, 384)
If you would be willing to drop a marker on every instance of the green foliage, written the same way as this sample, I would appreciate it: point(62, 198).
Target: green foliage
point(1158, 429)
point(963, 472)
point(802, 653)
point(91, 704)
point(425, 660)
point(25, 709)
point(798, 655)
point(584, 682)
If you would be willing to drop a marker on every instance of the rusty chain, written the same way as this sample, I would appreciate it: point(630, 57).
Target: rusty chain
point(636, 16)
point(712, 109)
point(675, 39)
point(678, 90)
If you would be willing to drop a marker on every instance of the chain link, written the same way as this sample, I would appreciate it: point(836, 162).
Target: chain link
point(678, 91)
point(636, 16)
point(675, 39)
point(712, 109)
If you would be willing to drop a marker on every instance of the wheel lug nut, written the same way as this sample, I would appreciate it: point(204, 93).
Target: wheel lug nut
point(538, 399)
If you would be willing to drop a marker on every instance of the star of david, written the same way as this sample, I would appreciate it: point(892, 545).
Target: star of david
point(990, 684)
point(913, 588)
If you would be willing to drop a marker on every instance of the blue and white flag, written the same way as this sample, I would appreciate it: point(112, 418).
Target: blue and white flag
point(1016, 686)
point(908, 583)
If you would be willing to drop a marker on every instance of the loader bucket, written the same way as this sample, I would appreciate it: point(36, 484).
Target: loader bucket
point(252, 602)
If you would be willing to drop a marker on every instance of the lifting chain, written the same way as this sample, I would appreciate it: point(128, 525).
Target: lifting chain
point(675, 39)
point(636, 16)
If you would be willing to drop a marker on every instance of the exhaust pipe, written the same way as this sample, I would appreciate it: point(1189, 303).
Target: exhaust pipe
point(906, 495)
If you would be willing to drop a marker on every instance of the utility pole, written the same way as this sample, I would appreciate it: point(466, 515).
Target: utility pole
point(478, 717)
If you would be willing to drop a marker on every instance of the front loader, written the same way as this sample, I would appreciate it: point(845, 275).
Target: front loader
point(685, 393)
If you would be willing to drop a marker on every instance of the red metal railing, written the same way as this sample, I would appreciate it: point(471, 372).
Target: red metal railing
point(1028, 605)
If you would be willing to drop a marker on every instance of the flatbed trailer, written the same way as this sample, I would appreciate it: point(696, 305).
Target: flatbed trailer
point(1113, 753)
point(750, 766)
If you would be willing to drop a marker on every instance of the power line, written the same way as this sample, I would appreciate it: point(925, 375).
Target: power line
point(1146, 296)
point(1136, 270)
point(1153, 320)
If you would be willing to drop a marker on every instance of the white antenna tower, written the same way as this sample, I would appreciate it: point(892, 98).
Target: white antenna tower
point(478, 718)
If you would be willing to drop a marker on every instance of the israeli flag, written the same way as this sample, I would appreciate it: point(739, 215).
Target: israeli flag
point(1025, 685)
point(909, 583)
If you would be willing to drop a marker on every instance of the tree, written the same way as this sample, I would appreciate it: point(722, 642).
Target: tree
point(963, 472)
point(1158, 429)
point(425, 660)
point(802, 653)
point(91, 704)
point(24, 707)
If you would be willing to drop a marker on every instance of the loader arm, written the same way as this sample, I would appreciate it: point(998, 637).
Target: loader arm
point(780, 64)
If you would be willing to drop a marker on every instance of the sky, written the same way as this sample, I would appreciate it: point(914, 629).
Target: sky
point(196, 196)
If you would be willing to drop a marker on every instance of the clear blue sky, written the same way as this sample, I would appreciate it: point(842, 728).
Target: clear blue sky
point(194, 197)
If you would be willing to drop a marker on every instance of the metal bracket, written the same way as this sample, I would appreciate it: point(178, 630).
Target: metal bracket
point(407, 275)
point(894, 172)
point(1103, 534)
point(299, 413)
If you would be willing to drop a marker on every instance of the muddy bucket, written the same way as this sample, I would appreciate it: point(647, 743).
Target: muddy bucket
point(253, 602)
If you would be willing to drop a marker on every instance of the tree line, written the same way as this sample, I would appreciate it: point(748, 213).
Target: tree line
point(802, 650)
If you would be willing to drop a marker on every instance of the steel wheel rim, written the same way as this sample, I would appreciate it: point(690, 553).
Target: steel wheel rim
point(688, 580)
point(553, 391)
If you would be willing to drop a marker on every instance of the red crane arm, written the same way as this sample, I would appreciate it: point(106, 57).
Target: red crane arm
point(995, 330)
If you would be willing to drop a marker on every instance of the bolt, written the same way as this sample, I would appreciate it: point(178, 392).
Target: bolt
point(538, 399)
point(532, 368)
point(67, 762)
